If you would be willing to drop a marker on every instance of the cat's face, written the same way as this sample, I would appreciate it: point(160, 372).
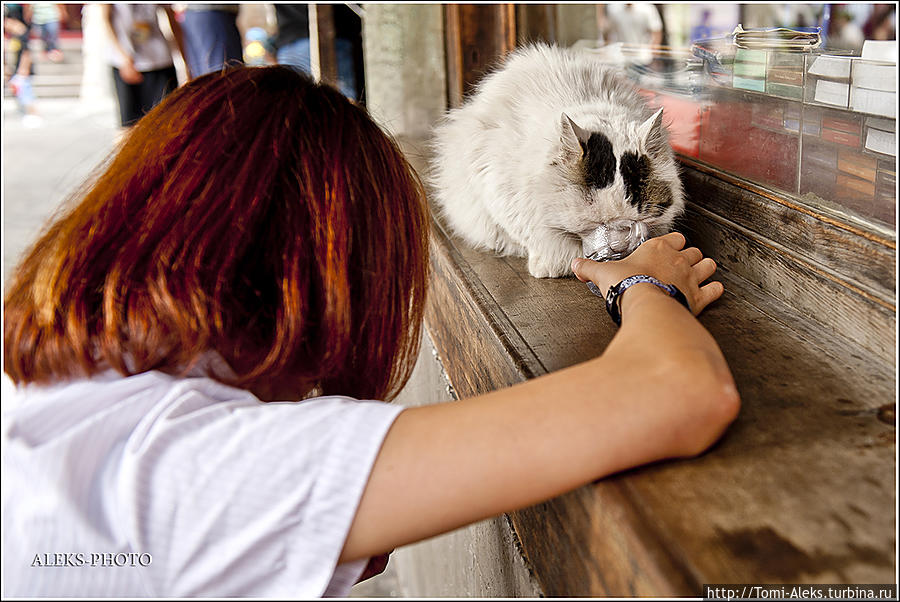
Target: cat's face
point(612, 175)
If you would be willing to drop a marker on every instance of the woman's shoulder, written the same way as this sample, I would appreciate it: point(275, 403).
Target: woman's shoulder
point(153, 402)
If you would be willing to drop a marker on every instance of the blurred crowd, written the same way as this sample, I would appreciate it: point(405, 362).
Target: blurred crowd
point(147, 44)
point(843, 26)
point(20, 22)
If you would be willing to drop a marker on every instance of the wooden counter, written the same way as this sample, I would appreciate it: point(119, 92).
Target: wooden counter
point(801, 488)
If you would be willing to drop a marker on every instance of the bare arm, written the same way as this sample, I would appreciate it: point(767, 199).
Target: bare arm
point(24, 62)
point(129, 74)
point(178, 34)
point(661, 390)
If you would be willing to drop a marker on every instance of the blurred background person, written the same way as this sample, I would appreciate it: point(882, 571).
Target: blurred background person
point(211, 37)
point(258, 48)
point(702, 30)
point(843, 31)
point(19, 70)
point(292, 45)
point(45, 19)
point(634, 24)
point(291, 41)
point(882, 23)
point(142, 64)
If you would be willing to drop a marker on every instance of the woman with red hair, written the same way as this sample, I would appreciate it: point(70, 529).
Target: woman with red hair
point(257, 238)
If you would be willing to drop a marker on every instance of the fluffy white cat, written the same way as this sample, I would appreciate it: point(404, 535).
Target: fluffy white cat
point(550, 147)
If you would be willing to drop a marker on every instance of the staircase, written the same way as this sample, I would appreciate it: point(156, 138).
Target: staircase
point(54, 80)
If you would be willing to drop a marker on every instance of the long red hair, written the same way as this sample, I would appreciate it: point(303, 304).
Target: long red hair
point(253, 213)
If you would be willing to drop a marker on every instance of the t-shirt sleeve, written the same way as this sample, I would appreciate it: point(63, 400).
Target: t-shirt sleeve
point(242, 498)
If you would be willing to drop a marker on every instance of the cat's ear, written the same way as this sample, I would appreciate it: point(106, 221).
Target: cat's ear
point(654, 123)
point(651, 132)
point(574, 138)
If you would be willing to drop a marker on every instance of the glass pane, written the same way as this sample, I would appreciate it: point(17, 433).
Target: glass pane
point(781, 110)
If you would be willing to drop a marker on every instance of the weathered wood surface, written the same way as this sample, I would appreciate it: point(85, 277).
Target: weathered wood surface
point(801, 488)
point(841, 307)
point(863, 260)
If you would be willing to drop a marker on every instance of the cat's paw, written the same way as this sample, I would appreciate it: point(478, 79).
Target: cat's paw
point(543, 267)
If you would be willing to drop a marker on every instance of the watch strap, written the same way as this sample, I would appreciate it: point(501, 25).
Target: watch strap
point(614, 294)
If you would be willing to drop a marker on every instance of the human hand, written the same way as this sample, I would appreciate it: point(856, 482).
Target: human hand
point(129, 74)
point(664, 258)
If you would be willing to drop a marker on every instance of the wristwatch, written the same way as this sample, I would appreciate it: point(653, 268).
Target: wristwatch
point(614, 294)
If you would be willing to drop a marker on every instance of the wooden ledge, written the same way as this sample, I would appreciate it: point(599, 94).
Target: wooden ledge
point(800, 489)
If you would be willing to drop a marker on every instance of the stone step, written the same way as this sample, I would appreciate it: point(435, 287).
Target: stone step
point(72, 44)
point(52, 86)
point(50, 92)
point(71, 50)
point(64, 68)
point(69, 58)
point(72, 62)
point(63, 79)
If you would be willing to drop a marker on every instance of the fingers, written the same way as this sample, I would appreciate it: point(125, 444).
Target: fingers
point(578, 265)
point(674, 239)
point(692, 254)
point(588, 269)
point(689, 271)
point(707, 294)
point(704, 268)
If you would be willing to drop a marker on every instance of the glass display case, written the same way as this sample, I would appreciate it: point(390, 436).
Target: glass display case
point(811, 123)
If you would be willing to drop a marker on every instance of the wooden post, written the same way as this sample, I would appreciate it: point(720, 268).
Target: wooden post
point(323, 59)
point(477, 35)
point(536, 23)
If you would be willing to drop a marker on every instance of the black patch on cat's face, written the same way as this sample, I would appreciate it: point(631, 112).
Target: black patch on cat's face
point(599, 161)
point(635, 171)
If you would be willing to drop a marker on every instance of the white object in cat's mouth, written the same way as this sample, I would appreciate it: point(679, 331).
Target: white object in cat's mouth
point(614, 240)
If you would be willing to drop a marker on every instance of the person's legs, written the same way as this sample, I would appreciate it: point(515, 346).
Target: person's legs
point(21, 87)
point(50, 37)
point(295, 54)
point(212, 40)
point(193, 43)
point(232, 46)
point(128, 96)
point(156, 85)
point(346, 70)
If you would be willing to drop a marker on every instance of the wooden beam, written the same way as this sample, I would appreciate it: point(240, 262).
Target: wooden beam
point(453, 52)
point(323, 59)
point(808, 466)
point(535, 23)
point(477, 35)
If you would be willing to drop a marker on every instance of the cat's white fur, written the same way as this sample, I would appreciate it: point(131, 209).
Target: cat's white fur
point(505, 164)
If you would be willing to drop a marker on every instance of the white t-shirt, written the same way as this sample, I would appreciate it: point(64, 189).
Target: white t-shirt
point(137, 28)
point(633, 23)
point(160, 486)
